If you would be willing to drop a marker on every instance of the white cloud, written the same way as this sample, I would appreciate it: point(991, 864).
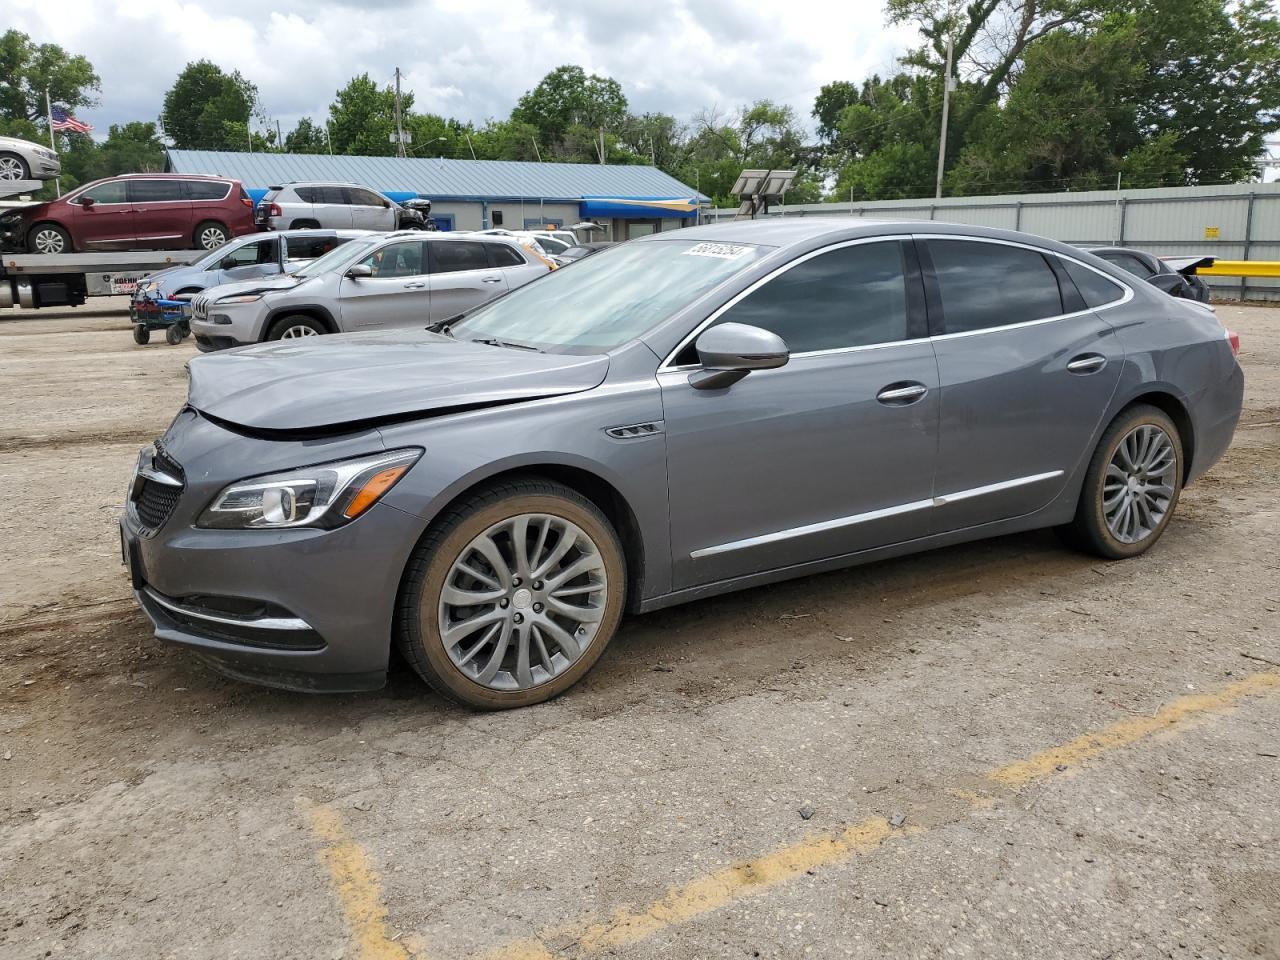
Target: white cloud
point(467, 60)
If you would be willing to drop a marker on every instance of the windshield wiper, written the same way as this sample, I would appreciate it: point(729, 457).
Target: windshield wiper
point(445, 326)
point(496, 342)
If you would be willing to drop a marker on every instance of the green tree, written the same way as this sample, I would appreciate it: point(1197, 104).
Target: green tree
point(29, 69)
point(505, 140)
point(567, 97)
point(362, 118)
point(207, 109)
point(306, 137)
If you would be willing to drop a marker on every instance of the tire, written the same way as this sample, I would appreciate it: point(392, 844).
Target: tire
point(1101, 524)
point(48, 238)
point(141, 335)
point(210, 235)
point(173, 334)
point(13, 168)
point(493, 679)
point(298, 325)
point(304, 225)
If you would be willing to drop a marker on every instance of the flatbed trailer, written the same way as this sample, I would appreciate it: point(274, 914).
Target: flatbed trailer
point(35, 280)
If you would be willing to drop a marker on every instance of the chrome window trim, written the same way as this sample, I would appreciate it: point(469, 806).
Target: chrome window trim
point(880, 514)
point(777, 272)
point(1125, 297)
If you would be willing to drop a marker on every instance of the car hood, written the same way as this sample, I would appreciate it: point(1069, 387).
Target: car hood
point(344, 380)
point(256, 285)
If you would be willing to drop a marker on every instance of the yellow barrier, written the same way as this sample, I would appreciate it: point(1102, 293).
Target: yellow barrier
point(1241, 268)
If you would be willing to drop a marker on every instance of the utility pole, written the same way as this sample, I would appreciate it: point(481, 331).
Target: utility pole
point(399, 126)
point(602, 146)
point(328, 138)
point(279, 138)
point(469, 146)
point(946, 104)
point(536, 152)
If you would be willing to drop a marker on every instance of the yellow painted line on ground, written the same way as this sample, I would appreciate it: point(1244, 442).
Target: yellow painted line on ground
point(627, 926)
point(356, 885)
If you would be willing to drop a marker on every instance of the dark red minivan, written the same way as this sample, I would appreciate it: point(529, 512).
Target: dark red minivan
point(141, 211)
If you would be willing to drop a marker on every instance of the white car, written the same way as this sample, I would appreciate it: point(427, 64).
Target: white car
point(387, 280)
point(24, 160)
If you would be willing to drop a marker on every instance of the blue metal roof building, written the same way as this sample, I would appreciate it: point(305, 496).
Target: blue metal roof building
point(477, 194)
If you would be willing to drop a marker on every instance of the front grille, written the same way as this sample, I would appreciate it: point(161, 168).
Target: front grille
point(155, 501)
point(199, 306)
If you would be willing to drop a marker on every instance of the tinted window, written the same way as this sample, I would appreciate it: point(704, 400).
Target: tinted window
point(1093, 286)
point(552, 245)
point(364, 198)
point(990, 284)
point(111, 192)
point(504, 255)
point(402, 259)
point(305, 194)
point(330, 195)
point(207, 189)
point(1126, 262)
point(308, 248)
point(155, 191)
point(264, 251)
point(848, 297)
point(463, 255)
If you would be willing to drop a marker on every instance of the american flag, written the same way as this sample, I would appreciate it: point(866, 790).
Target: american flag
point(61, 120)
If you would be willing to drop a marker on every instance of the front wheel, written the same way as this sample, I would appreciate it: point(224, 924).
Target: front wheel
point(1132, 485)
point(290, 328)
point(13, 168)
point(48, 238)
point(141, 335)
point(513, 596)
point(211, 235)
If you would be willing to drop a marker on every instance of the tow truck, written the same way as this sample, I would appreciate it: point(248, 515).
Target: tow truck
point(35, 280)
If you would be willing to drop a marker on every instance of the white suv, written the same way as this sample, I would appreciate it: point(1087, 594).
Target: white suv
point(388, 280)
point(331, 206)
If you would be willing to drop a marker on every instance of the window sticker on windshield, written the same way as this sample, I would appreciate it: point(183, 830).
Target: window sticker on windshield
point(721, 251)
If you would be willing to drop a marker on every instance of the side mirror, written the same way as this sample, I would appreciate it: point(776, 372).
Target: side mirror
point(228, 263)
point(729, 351)
point(386, 204)
point(360, 271)
point(1174, 284)
point(87, 202)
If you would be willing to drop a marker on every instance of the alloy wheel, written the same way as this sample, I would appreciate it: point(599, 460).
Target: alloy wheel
point(298, 330)
point(523, 601)
point(1139, 484)
point(212, 237)
point(11, 169)
point(49, 241)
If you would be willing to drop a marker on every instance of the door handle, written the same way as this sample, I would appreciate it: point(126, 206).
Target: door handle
point(416, 285)
point(901, 395)
point(1088, 363)
point(490, 279)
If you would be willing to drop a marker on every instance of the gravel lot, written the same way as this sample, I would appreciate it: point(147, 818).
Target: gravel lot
point(925, 714)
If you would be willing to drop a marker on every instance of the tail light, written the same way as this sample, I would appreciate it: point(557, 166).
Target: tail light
point(273, 210)
point(1233, 338)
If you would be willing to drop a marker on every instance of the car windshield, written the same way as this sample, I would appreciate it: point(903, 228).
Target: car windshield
point(610, 298)
point(337, 256)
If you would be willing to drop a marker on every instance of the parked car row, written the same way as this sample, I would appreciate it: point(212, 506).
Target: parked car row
point(679, 416)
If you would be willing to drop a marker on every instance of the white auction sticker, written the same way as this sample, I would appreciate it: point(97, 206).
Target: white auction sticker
point(721, 251)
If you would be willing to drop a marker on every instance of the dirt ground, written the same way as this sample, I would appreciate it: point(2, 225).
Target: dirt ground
point(998, 750)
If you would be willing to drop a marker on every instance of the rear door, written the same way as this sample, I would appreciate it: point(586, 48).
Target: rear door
point(515, 267)
point(396, 295)
point(107, 221)
point(369, 210)
point(461, 277)
point(161, 213)
point(330, 208)
point(1026, 370)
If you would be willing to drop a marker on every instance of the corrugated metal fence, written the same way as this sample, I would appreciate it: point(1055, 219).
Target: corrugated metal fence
point(1232, 222)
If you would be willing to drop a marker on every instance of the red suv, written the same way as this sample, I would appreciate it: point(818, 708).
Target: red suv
point(141, 211)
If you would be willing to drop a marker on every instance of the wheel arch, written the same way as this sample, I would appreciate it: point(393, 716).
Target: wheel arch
point(582, 480)
point(313, 310)
point(52, 222)
point(1175, 408)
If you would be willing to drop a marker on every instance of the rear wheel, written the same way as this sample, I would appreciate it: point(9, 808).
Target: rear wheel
point(1132, 486)
point(13, 168)
point(173, 334)
point(210, 235)
point(141, 335)
point(512, 598)
point(290, 328)
point(48, 238)
point(304, 225)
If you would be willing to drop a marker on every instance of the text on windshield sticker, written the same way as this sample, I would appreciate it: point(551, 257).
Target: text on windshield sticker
point(721, 251)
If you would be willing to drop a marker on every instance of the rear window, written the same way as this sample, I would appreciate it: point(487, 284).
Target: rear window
point(364, 198)
point(207, 189)
point(986, 285)
point(307, 194)
point(155, 191)
point(1093, 286)
point(330, 195)
point(452, 256)
point(504, 255)
point(308, 248)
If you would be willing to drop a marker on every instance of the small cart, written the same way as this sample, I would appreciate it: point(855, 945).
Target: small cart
point(171, 316)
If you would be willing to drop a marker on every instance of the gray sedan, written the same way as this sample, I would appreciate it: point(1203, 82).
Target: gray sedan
point(690, 413)
point(24, 160)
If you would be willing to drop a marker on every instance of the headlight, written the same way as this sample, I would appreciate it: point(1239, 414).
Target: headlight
point(327, 495)
point(240, 298)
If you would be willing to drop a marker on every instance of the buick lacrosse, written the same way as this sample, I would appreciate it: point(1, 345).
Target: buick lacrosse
point(693, 412)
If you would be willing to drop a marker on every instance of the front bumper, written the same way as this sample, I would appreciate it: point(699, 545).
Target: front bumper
point(44, 168)
point(301, 609)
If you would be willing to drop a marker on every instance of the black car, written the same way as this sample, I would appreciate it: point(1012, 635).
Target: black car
point(581, 250)
point(1149, 267)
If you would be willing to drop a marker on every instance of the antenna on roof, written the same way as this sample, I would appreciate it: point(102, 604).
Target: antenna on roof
point(756, 189)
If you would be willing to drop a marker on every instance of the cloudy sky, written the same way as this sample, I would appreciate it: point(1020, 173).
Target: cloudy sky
point(470, 60)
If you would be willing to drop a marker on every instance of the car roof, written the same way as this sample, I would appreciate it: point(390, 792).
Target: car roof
point(168, 176)
point(320, 232)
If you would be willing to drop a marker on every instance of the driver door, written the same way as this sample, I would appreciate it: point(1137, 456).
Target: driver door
point(832, 453)
point(260, 258)
point(107, 220)
point(395, 295)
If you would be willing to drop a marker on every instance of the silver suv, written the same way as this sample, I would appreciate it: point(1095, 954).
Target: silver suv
point(333, 206)
point(388, 280)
